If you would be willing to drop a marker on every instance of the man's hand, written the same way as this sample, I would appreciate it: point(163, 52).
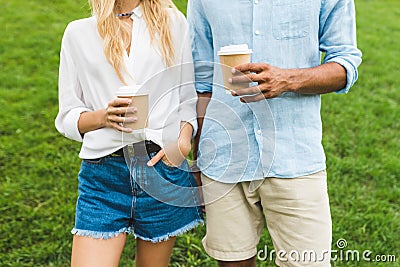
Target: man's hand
point(203, 100)
point(197, 178)
point(272, 81)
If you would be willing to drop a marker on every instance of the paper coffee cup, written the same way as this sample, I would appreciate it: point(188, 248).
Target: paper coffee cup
point(140, 100)
point(232, 56)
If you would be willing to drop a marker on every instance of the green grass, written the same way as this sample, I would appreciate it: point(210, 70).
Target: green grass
point(38, 166)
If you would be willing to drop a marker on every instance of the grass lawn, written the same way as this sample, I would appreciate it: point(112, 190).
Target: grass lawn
point(38, 166)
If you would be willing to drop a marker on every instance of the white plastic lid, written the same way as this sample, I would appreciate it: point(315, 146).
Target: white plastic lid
point(131, 90)
point(235, 50)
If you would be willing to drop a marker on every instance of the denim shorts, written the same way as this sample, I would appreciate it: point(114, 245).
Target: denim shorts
point(116, 196)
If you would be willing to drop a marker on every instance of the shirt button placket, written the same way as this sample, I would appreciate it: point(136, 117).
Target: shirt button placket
point(257, 32)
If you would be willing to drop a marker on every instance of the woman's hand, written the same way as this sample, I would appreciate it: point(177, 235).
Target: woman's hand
point(175, 153)
point(118, 112)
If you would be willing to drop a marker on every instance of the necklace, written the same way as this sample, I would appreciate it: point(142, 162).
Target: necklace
point(124, 14)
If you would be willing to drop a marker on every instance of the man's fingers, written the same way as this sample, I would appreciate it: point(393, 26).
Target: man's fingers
point(250, 67)
point(156, 158)
point(254, 98)
point(254, 90)
point(244, 78)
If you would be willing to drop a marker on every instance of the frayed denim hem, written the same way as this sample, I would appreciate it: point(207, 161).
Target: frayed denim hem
point(100, 235)
point(180, 231)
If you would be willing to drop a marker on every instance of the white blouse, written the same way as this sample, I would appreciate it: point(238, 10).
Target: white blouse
point(87, 82)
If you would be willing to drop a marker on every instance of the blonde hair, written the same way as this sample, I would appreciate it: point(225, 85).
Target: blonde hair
point(117, 35)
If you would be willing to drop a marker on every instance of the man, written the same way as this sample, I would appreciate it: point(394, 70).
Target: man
point(260, 149)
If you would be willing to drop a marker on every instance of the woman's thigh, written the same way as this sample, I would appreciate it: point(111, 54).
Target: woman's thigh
point(92, 252)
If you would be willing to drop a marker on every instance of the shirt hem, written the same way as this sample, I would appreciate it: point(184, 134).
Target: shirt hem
point(269, 175)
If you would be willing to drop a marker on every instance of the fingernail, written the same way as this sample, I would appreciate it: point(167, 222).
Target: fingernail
point(230, 80)
point(130, 120)
point(233, 70)
point(234, 93)
point(149, 163)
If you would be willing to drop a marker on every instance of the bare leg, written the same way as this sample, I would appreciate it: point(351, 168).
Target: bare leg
point(246, 263)
point(91, 252)
point(150, 254)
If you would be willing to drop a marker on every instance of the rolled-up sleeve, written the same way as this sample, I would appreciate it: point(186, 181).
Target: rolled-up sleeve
point(202, 46)
point(70, 95)
point(338, 38)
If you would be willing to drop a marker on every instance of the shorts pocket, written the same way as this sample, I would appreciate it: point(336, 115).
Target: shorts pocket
point(169, 166)
point(166, 163)
point(290, 19)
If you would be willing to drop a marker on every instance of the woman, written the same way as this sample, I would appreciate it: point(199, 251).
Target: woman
point(127, 42)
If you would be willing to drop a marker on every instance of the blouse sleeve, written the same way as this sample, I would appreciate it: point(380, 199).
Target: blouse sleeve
point(70, 96)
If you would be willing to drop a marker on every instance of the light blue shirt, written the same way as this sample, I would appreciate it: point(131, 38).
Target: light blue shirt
point(278, 137)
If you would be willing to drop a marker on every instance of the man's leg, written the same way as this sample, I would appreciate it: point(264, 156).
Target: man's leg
point(298, 219)
point(234, 222)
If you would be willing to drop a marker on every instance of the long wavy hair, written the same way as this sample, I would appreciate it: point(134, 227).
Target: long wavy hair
point(117, 35)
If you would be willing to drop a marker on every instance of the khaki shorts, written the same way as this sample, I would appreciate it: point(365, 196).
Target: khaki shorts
point(296, 211)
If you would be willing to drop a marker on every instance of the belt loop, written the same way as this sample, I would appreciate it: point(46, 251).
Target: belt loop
point(130, 150)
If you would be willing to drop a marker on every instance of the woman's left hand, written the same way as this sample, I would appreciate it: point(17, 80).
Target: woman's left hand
point(173, 154)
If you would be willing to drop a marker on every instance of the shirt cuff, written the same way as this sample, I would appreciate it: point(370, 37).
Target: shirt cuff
point(203, 87)
point(351, 74)
point(70, 124)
